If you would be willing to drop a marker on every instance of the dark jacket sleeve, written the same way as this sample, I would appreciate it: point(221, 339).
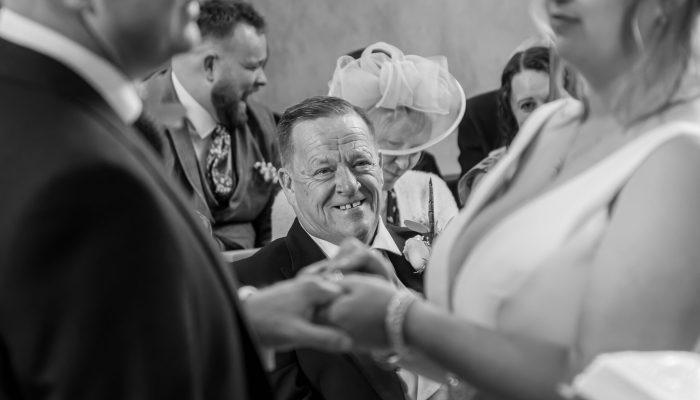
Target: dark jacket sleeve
point(92, 300)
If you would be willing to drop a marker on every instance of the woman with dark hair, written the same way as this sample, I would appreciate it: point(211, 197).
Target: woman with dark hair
point(525, 85)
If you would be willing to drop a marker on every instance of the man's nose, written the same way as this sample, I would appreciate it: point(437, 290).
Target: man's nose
point(402, 162)
point(345, 181)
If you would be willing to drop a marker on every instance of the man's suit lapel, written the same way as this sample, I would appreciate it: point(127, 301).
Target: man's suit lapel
point(304, 251)
point(404, 270)
point(180, 136)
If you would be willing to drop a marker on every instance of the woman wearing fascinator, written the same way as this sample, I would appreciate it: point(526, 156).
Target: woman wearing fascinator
point(583, 239)
point(413, 103)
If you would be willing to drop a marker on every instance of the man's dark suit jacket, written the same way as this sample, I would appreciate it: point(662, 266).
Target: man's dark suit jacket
point(244, 221)
point(478, 132)
point(310, 374)
point(109, 286)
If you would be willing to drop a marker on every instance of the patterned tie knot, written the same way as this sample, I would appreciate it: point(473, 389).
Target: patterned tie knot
point(218, 169)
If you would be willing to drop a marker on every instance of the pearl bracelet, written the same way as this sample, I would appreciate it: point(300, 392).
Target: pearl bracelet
point(394, 320)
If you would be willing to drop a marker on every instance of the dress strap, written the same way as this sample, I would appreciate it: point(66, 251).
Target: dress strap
point(439, 277)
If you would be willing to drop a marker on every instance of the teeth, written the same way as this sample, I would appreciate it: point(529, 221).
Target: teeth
point(349, 206)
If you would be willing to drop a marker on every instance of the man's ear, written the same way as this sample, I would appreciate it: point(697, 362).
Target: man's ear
point(285, 179)
point(209, 65)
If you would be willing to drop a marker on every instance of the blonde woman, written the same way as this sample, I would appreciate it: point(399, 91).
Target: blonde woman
point(583, 239)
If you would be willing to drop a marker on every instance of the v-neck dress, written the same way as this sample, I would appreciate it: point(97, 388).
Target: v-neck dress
point(558, 226)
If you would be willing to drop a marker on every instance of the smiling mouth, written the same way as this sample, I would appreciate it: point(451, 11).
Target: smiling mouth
point(350, 206)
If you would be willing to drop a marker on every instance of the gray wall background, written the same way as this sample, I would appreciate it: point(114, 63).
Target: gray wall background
point(307, 36)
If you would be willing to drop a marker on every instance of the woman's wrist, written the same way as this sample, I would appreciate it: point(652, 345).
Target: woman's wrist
point(395, 319)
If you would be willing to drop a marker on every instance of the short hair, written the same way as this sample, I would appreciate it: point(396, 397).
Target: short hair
point(311, 109)
point(534, 58)
point(218, 18)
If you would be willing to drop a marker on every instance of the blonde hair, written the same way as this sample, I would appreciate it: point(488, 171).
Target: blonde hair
point(653, 83)
point(413, 123)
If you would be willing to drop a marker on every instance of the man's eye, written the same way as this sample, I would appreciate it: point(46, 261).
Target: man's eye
point(322, 172)
point(363, 165)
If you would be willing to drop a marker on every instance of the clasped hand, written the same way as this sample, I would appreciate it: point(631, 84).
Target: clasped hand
point(366, 281)
point(335, 305)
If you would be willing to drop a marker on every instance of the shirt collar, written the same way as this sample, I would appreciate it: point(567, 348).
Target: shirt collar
point(119, 92)
point(200, 118)
point(382, 241)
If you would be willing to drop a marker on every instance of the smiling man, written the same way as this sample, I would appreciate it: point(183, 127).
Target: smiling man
point(225, 134)
point(332, 178)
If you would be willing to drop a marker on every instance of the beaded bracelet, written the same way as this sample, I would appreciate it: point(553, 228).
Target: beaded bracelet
point(394, 321)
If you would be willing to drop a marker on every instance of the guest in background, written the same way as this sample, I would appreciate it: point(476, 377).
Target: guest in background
point(332, 178)
point(416, 108)
point(413, 102)
point(224, 153)
point(525, 85)
point(479, 131)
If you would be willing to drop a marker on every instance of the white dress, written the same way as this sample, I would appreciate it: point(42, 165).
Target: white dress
point(555, 227)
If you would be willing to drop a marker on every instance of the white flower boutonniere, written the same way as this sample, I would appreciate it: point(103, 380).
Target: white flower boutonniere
point(417, 252)
point(266, 170)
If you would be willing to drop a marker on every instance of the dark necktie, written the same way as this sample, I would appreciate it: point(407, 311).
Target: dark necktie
point(392, 209)
point(219, 171)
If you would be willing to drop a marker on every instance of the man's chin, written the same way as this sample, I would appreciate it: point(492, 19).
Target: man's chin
point(361, 234)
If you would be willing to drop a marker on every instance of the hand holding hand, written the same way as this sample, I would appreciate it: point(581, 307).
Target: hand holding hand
point(283, 315)
point(361, 310)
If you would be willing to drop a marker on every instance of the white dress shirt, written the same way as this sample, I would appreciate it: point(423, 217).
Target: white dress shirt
point(202, 121)
point(117, 90)
point(382, 241)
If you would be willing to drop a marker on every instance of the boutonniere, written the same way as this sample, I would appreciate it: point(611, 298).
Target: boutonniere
point(266, 170)
point(416, 250)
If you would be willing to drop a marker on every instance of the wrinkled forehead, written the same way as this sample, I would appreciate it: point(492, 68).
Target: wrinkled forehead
point(337, 135)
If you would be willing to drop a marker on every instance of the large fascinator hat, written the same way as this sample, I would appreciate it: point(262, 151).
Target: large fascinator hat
point(416, 92)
